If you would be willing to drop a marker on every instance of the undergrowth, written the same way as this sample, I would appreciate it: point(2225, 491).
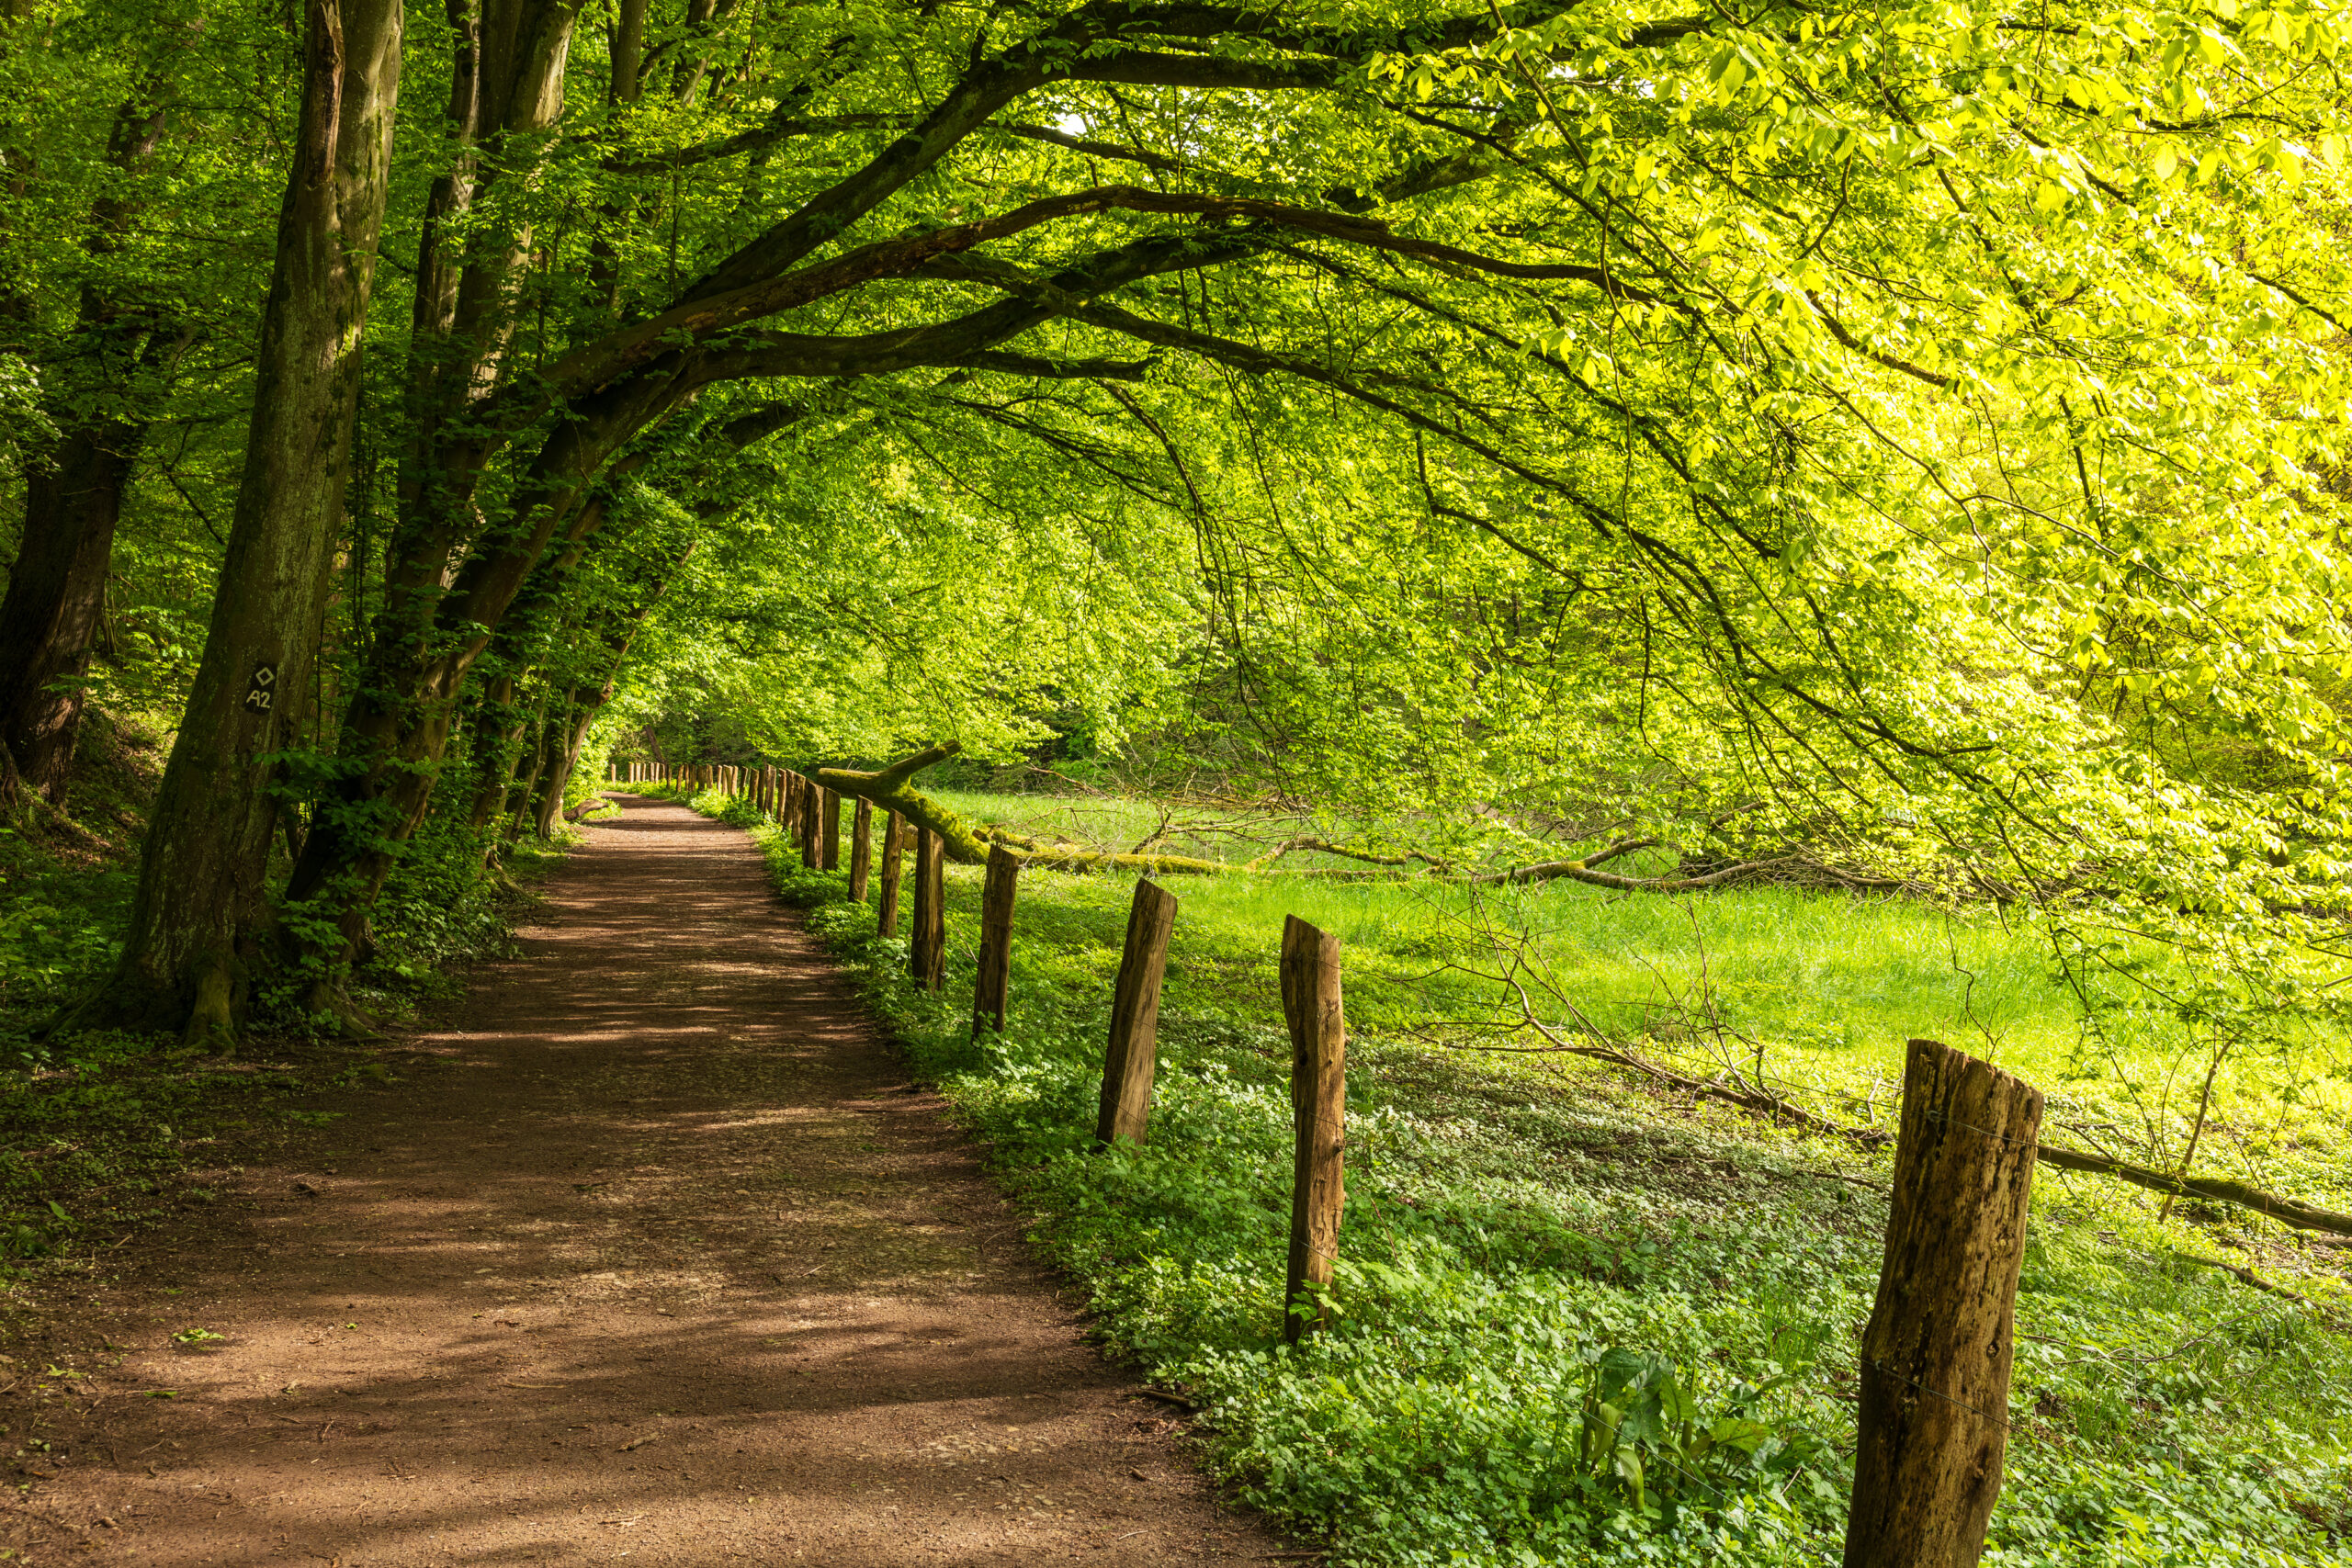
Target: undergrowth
point(1574, 1321)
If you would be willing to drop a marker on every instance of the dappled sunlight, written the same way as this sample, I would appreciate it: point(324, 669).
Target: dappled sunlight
point(652, 1254)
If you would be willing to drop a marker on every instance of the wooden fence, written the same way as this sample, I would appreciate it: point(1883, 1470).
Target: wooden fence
point(1935, 1359)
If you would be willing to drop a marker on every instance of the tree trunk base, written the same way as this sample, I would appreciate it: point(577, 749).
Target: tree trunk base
point(327, 1004)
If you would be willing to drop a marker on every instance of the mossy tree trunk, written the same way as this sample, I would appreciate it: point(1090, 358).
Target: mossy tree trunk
point(200, 905)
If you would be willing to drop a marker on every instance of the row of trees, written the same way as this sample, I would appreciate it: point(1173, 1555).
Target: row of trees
point(1911, 435)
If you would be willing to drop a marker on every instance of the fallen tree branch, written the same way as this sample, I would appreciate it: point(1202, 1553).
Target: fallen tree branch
point(2285, 1211)
point(1073, 857)
point(2246, 1275)
point(889, 789)
point(2291, 1211)
point(1322, 846)
point(1583, 870)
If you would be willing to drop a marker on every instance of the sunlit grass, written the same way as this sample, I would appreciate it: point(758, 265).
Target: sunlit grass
point(1509, 1217)
point(1815, 992)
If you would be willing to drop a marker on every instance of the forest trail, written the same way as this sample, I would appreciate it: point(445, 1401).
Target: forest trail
point(655, 1256)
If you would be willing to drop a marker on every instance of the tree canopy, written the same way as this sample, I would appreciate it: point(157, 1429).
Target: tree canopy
point(1909, 437)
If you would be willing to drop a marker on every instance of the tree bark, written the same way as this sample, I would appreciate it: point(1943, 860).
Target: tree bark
point(200, 898)
point(586, 702)
point(55, 604)
point(494, 742)
point(520, 790)
point(56, 598)
point(1934, 1423)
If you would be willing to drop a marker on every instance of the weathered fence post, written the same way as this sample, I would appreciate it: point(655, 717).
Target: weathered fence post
point(828, 844)
point(861, 848)
point(993, 983)
point(1318, 1098)
point(1934, 1423)
point(807, 806)
point(894, 848)
point(1134, 1054)
point(928, 957)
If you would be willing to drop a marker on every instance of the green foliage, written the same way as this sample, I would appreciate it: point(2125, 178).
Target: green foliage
point(1569, 1327)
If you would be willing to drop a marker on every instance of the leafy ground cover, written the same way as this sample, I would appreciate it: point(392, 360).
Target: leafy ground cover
point(1578, 1321)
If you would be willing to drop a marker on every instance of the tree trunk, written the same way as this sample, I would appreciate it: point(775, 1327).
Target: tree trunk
point(201, 899)
point(585, 700)
point(50, 619)
point(397, 726)
point(494, 741)
point(533, 763)
point(56, 599)
point(1934, 1421)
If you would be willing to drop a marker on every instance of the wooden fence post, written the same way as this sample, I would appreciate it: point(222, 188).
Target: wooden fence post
point(993, 983)
point(861, 848)
point(828, 845)
point(808, 815)
point(894, 848)
point(1934, 1421)
point(1134, 1054)
point(928, 957)
point(1318, 1100)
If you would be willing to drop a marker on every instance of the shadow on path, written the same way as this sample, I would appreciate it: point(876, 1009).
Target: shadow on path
point(656, 1258)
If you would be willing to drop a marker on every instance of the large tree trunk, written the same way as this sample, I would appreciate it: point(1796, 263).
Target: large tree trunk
point(200, 900)
point(56, 598)
point(494, 741)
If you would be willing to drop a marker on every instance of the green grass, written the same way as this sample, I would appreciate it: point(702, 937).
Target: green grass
point(1523, 1234)
point(1823, 990)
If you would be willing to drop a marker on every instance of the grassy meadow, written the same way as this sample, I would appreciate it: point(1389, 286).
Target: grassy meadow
point(1529, 1236)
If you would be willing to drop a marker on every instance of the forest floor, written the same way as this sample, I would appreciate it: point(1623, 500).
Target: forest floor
point(655, 1255)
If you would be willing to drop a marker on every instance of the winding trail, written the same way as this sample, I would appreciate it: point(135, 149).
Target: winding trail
point(655, 1256)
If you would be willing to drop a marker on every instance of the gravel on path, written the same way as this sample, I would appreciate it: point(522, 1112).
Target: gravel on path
point(656, 1257)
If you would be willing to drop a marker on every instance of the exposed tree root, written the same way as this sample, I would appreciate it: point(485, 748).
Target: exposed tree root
point(331, 1004)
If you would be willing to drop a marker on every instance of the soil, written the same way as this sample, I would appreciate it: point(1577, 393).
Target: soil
point(654, 1255)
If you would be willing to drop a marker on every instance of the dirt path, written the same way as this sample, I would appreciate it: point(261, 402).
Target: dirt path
point(659, 1258)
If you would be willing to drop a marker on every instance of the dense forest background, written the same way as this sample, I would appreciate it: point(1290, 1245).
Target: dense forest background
point(1886, 459)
